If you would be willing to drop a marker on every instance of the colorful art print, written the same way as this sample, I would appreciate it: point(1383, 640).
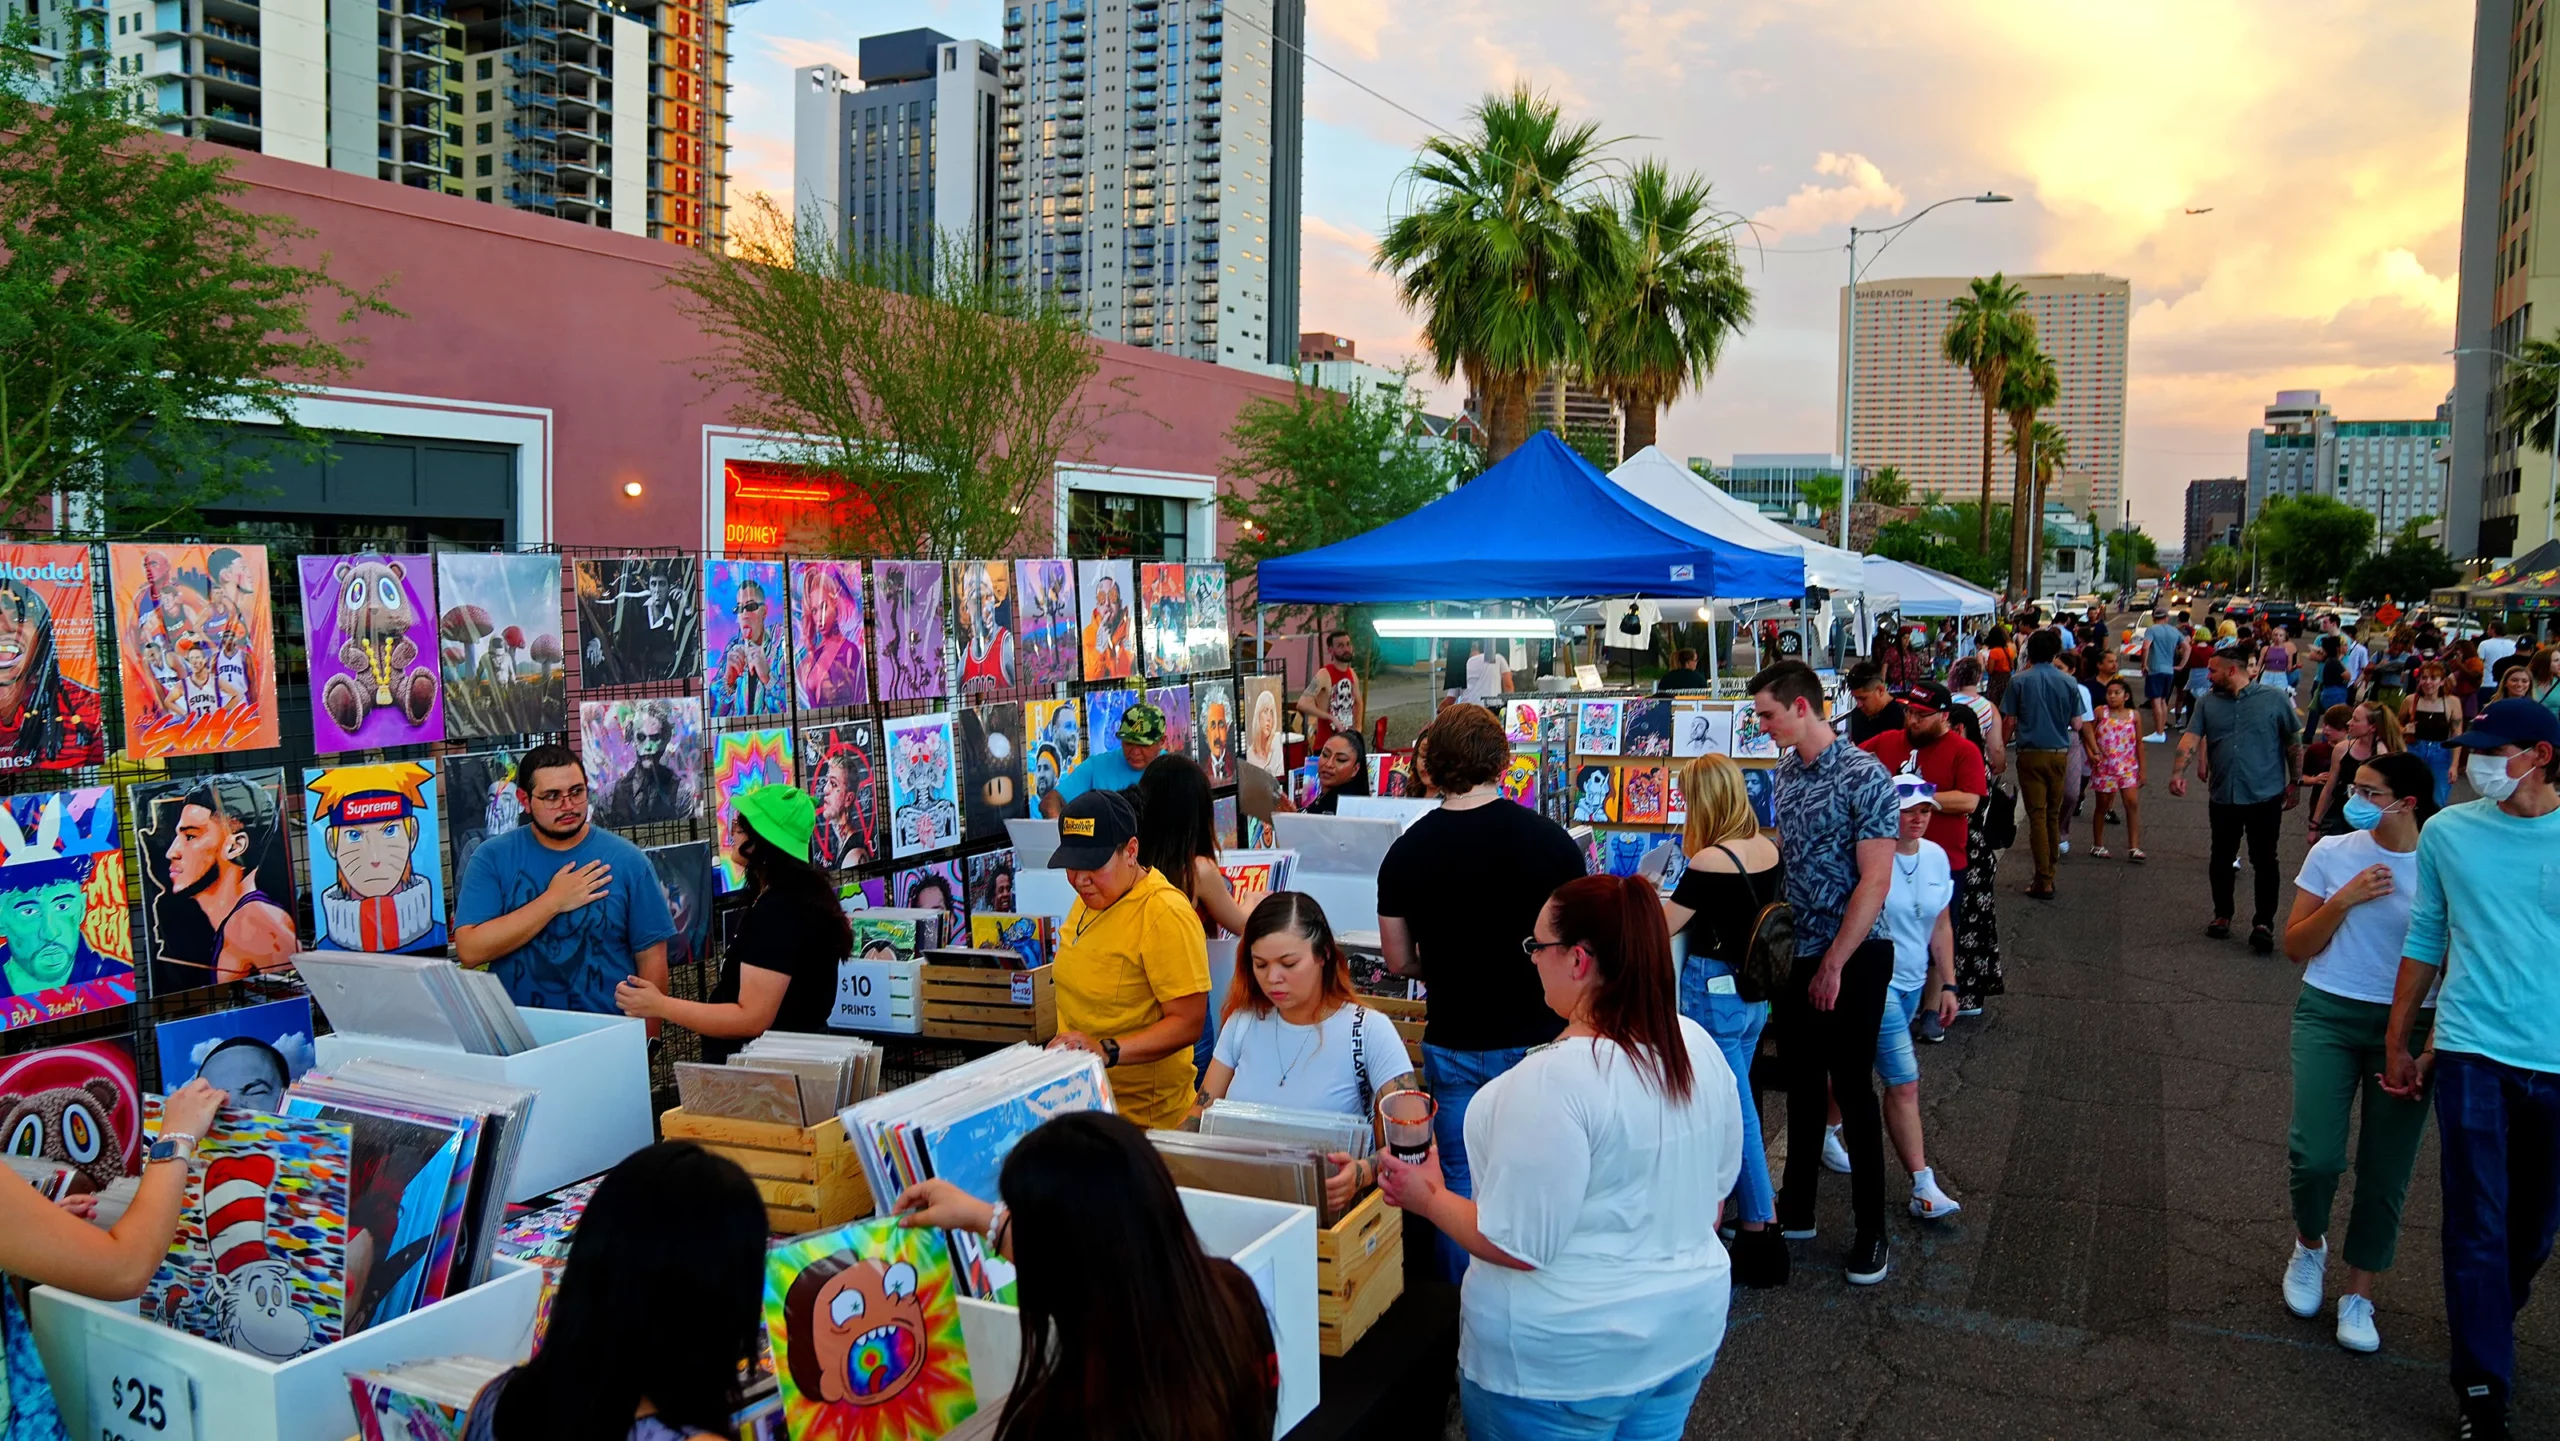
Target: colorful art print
point(386, 1414)
point(377, 857)
point(1207, 584)
point(1595, 795)
point(1645, 728)
point(259, 1263)
point(990, 881)
point(1045, 619)
point(1520, 722)
point(1701, 728)
point(502, 645)
point(51, 717)
point(967, 1148)
point(991, 779)
point(480, 800)
point(79, 1105)
point(1556, 722)
point(217, 883)
point(907, 609)
point(1213, 729)
point(66, 928)
point(644, 759)
point(989, 659)
point(1266, 726)
point(1052, 744)
point(1555, 784)
point(195, 639)
point(842, 769)
point(924, 785)
point(1034, 938)
point(741, 761)
point(1175, 702)
point(1102, 712)
point(1596, 725)
point(1644, 795)
point(1256, 833)
point(746, 648)
point(399, 1176)
point(827, 659)
point(864, 1322)
point(1761, 785)
point(1519, 779)
point(1676, 810)
point(936, 886)
point(1751, 740)
point(639, 619)
point(684, 873)
point(1390, 773)
point(373, 683)
point(1622, 853)
point(1110, 629)
point(1168, 618)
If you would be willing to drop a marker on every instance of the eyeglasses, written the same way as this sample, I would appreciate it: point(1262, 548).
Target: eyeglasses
point(553, 798)
point(1531, 945)
point(2378, 797)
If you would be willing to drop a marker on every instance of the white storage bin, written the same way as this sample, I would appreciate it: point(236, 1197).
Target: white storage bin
point(1271, 1241)
point(592, 1073)
point(234, 1396)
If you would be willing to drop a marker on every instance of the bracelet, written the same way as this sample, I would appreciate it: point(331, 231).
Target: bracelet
point(999, 1221)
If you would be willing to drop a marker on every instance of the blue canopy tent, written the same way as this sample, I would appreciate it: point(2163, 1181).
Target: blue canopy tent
point(1543, 524)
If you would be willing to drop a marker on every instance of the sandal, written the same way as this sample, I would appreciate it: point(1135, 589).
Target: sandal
point(2100, 853)
point(2136, 856)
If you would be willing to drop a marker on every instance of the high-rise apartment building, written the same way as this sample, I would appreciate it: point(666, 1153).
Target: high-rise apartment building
point(2498, 488)
point(2386, 467)
point(612, 115)
point(1149, 170)
point(2215, 508)
point(907, 161)
point(1913, 410)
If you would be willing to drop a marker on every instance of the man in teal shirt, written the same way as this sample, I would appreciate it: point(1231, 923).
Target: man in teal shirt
point(1141, 740)
point(2487, 918)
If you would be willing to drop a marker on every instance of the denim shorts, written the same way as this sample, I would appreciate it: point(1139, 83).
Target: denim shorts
point(1896, 1063)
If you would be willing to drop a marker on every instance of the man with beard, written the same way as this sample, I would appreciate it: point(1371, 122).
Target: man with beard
point(368, 822)
point(216, 837)
point(47, 720)
point(559, 910)
point(1332, 701)
point(2253, 764)
point(650, 790)
point(1108, 654)
point(748, 680)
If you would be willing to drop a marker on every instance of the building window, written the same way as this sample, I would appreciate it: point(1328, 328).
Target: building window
point(480, 133)
point(482, 70)
point(480, 166)
point(1107, 523)
point(481, 194)
point(481, 104)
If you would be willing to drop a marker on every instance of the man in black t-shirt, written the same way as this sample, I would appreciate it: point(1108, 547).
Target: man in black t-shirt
point(1459, 891)
point(1873, 711)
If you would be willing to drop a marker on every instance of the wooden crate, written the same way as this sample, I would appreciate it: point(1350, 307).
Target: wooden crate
point(979, 1003)
point(1359, 1272)
point(1407, 1015)
point(808, 1175)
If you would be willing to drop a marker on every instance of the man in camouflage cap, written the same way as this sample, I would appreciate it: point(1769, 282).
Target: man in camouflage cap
point(1141, 741)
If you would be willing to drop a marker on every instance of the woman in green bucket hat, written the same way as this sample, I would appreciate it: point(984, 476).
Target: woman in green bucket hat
point(781, 974)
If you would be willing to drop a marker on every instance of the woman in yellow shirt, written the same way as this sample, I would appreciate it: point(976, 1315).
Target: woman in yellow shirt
point(1133, 963)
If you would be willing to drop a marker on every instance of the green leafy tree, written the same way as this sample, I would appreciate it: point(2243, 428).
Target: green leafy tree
point(2029, 384)
point(143, 314)
point(1924, 542)
point(2129, 553)
point(1680, 296)
point(1822, 492)
point(2411, 569)
point(1888, 486)
point(1987, 331)
point(2306, 542)
point(2219, 565)
point(1511, 244)
point(2530, 392)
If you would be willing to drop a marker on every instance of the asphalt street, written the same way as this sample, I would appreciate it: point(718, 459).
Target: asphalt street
point(2115, 1128)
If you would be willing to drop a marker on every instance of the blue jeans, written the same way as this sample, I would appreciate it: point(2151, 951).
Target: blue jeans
point(1896, 1063)
point(2439, 759)
point(1659, 1413)
point(1736, 1024)
point(2499, 1126)
point(1454, 1078)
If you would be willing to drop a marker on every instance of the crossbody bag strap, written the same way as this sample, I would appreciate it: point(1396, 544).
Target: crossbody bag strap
point(1360, 1057)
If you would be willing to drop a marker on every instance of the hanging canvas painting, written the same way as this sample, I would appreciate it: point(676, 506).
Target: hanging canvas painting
point(741, 761)
point(1213, 729)
point(51, 716)
point(639, 619)
point(746, 649)
point(1761, 784)
point(259, 1263)
point(1519, 779)
point(842, 770)
point(78, 1105)
point(195, 637)
point(1110, 631)
point(1644, 795)
point(66, 931)
point(1102, 712)
point(369, 624)
point(864, 1322)
point(991, 780)
point(988, 659)
point(481, 801)
point(1520, 722)
point(1645, 729)
point(217, 884)
point(1265, 726)
point(502, 658)
point(907, 606)
point(827, 659)
point(1594, 795)
point(377, 858)
point(1168, 619)
point(1175, 702)
point(1206, 582)
point(643, 758)
point(684, 873)
point(1596, 725)
point(1045, 614)
point(1701, 728)
point(924, 785)
point(1053, 744)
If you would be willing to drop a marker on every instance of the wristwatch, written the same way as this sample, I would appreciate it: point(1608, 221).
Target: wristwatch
point(179, 1147)
point(1110, 1052)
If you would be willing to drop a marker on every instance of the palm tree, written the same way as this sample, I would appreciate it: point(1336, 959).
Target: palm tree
point(1511, 239)
point(1888, 487)
point(2051, 450)
point(1989, 329)
point(2030, 384)
point(1821, 492)
point(2532, 391)
point(1681, 296)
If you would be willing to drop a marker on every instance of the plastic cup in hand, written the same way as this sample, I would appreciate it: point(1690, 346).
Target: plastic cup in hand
point(1405, 1117)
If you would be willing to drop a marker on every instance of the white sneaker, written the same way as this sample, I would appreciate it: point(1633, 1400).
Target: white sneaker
point(2304, 1280)
point(2355, 1325)
point(1928, 1201)
point(2066, 848)
point(1835, 1157)
point(2155, 738)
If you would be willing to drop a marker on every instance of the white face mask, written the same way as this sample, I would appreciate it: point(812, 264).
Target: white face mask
point(2488, 775)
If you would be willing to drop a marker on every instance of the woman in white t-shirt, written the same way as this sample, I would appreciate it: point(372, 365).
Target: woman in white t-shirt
point(1294, 1035)
point(1599, 1164)
point(2350, 918)
point(1917, 915)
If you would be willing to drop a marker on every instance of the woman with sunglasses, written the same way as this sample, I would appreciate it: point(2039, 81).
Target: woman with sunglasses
point(2350, 917)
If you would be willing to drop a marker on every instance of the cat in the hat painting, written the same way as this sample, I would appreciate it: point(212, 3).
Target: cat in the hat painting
point(259, 1261)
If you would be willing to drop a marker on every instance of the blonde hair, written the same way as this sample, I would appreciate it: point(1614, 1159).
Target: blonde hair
point(1719, 803)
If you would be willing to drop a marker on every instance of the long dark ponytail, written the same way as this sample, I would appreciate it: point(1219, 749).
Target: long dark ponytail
point(1618, 919)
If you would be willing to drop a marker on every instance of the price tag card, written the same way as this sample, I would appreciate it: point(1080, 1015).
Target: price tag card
point(1021, 988)
point(137, 1397)
point(862, 995)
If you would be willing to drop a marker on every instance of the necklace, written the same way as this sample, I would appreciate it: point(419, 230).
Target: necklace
point(1315, 1037)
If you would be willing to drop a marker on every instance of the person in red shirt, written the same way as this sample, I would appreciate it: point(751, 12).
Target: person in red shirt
point(1928, 746)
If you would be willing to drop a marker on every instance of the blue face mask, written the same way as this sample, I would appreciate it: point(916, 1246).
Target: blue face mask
point(2363, 814)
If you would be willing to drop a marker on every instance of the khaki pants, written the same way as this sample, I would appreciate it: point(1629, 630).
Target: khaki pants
point(2041, 782)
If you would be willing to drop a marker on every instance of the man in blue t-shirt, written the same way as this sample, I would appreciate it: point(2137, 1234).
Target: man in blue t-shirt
point(1141, 739)
point(557, 909)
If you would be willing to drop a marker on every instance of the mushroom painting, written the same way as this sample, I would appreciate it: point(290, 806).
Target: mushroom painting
point(501, 630)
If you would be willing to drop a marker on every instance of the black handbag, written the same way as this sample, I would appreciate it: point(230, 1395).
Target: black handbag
point(1998, 816)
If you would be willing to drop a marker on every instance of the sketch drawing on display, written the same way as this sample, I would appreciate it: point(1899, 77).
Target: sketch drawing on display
point(1167, 626)
point(51, 716)
point(907, 609)
point(1645, 728)
point(990, 878)
point(741, 761)
point(1596, 727)
point(1701, 728)
point(78, 1105)
point(924, 785)
point(746, 652)
point(1110, 632)
point(991, 777)
point(1751, 740)
point(252, 1053)
point(828, 662)
point(1053, 744)
point(1594, 795)
point(1213, 729)
point(1265, 726)
point(373, 682)
point(479, 795)
point(843, 767)
point(1175, 702)
point(217, 884)
point(377, 880)
point(1207, 611)
point(66, 933)
point(503, 660)
point(864, 1323)
point(684, 873)
point(643, 758)
point(988, 659)
point(639, 619)
point(1045, 612)
point(195, 632)
point(935, 887)
point(259, 1263)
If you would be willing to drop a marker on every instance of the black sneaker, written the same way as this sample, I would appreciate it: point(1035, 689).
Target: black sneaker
point(2261, 939)
point(1760, 1259)
point(2483, 1417)
point(1870, 1259)
point(2220, 930)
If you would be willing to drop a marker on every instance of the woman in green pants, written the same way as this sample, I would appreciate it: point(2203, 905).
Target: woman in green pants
point(2350, 915)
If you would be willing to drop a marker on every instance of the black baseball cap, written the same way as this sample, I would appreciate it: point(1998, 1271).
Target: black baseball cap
point(1092, 830)
point(1926, 696)
point(2511, 722)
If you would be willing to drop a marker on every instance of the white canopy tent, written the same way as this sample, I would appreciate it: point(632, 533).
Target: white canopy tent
point(1676, 490)
point(1919, 590)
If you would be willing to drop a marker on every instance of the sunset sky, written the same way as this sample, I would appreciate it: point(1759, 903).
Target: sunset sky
point(2327, 139)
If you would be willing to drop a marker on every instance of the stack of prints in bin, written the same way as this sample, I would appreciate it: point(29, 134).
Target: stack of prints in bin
point(1264, 872)
point(783, 1078)
point(542, 1238)
point(54, 1180)
point(895, 933)
point(423, 999)
point(1272, 1170)
point(419, 1400)
point(959, 1125)
point(1033, 938)
point(259, 1261)
point(1324, 1133)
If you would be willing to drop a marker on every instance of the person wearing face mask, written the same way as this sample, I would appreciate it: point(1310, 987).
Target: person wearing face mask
point(2495, 1053)
point(2350, 916)
point(2252, 744)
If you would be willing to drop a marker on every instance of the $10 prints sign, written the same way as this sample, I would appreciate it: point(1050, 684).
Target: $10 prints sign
point(134, 1397)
